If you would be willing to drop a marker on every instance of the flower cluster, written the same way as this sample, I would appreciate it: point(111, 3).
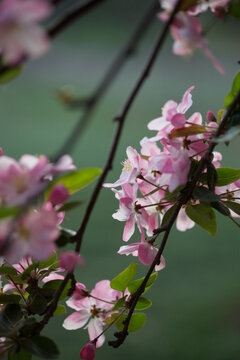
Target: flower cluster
point(28, 229)
point(163, 167)
point(186, 28)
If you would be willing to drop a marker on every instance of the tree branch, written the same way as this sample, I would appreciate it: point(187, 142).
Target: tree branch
point(121, 336)
point(121, 120)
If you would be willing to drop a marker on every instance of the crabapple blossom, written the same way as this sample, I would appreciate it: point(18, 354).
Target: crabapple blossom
point(20, 35)
point(92, 310)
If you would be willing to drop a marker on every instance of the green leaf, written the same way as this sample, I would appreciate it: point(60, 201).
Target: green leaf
point(121, 281)
point(10, 315)
point(167, 215)
point(188, 131)
point(204, 216)
point(204, 195)
point(6, 212)
point(234, 206)
point(60, 310)
point(48, 262)
point(137, 321)
point(38, 304)
point(119, 303)
point(227, 176)
point(70, 206)
point(41, 346)
point(134, 285)
point(9, 299)
point(76, 180)
point(20, 355)
point(143, 303)
point(10, 74)
point(28, 270)
point(51, 287)
point(235, 88)
point(234, 9)
point(7, 270)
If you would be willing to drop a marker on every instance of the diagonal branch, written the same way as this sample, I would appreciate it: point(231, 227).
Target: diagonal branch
point(121, 120)
point(121, 336)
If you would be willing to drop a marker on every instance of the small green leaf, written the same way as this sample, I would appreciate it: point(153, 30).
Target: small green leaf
point(234, 206)
point(7, 270)
point(76, 180)
point(9, 299)
point(143, 303)
point(137, 321)
point(51, 287)
point(10, 74)
point(38, 304)
point(119, 303)
point(188, 131)
point(235, 88)
point(204, 216)
point(234, 9)
point(70, 205)
point(167, 215)
point(121, 281)
point(134, 285)
point(10, 315)
point(227, 176)
point(48, 262)
point(41, 346)
point(60, 310)
point(6, 212)
point(204, 195)
point(28, 270)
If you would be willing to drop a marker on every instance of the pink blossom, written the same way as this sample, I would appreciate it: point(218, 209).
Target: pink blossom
point(183, 221)
point(173, 166)
point(19, 33)
point(172, 116)
point(33, 234)
point(59, 194)
point(88, 352)
point(128, 210)
point(130, 170)
point(25, 178)
point(92, 310)
point(70, 259)
point(145, 252)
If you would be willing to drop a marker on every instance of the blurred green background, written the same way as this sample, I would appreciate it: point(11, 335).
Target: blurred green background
point(196, 299)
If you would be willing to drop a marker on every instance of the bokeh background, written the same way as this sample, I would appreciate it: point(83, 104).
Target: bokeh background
point(196, 299)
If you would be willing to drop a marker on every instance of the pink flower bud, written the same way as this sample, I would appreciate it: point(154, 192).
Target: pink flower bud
point(88, 352)
point(211, 117)
point(69, 260)
point(59, 194)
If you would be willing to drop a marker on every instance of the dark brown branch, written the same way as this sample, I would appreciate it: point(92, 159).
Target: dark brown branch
point(92, 101)
point(72, 15)
point(121, 336)
point(121, 120)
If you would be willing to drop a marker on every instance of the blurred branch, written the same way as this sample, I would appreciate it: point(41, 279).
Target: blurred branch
point(121, 336)
point(90, 103)
point(72, 15)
